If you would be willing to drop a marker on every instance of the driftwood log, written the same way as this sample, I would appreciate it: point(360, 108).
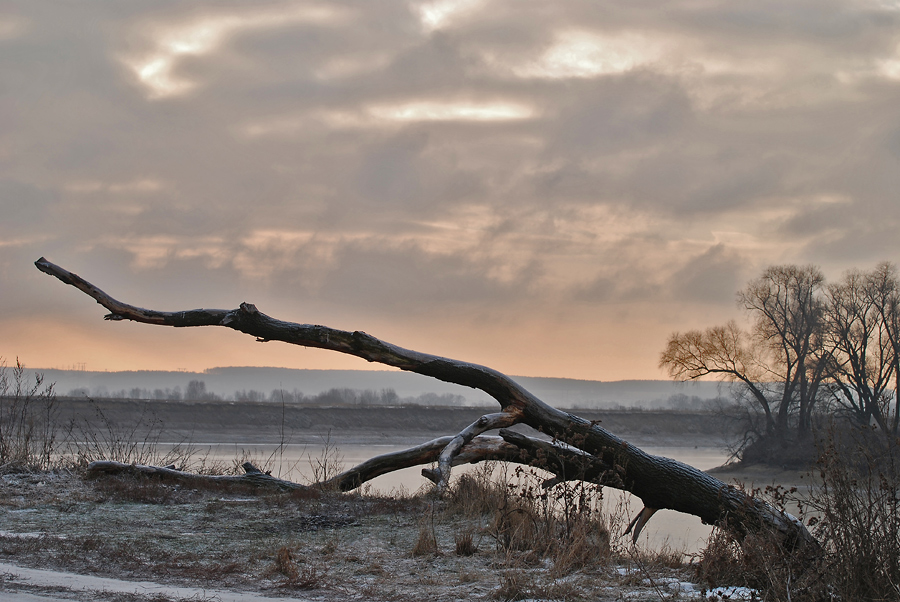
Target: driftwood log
point(659, 482)
point(564, 462)
point(252, 477)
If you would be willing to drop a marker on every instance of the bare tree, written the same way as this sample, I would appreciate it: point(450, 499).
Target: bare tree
point(780, 361)
point(659, 482)
point(859, 335)
point(885, 286)
point(787, 310)
point(723, 352)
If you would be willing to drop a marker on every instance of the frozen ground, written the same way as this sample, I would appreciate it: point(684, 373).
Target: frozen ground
point(63, 538)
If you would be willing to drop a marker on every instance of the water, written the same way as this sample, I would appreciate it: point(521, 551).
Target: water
point(296, 462)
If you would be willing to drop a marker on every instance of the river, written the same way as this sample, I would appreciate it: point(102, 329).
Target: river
point(296, 461)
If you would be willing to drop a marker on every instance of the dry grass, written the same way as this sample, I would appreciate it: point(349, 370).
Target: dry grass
point(426, 541)
point(515, 584)
point(563, 524)
point(381, 547)
point(28, 411)
point(464, 543)
point(297, 572)
point(852, 507)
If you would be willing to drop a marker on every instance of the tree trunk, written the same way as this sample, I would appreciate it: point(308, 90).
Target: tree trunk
point(659, 482)
point(252, 477)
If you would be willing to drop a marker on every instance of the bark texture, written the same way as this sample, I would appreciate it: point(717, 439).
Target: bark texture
point(659, 482)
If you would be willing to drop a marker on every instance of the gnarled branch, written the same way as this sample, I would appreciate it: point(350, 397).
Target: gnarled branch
point(659, 482)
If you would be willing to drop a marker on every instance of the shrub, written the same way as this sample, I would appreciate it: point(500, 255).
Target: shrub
point(27, 419)
point(134, 442)
point(851, 507)
point(854, 513)
point(562, 523)
point(763, 562)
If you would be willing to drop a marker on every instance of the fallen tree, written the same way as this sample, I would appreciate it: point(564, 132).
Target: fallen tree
point(561, 460)
point(589, 452)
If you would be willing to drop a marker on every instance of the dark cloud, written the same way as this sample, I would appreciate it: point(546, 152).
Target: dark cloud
point(818, 220)
point(712, 277)
point(406, 281)
point(617, 114)
point(618, 289)
point(391, 173)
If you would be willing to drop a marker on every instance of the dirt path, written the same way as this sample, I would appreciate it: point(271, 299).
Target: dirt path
point(44, 585)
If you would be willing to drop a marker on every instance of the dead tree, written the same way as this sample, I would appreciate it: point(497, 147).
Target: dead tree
point(659, 482)
point(563, 461)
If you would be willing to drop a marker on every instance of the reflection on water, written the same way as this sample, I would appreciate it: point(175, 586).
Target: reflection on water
point(295, 462)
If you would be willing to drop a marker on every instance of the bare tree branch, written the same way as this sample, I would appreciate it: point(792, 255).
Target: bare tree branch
point(486, 423)
point(476, 450)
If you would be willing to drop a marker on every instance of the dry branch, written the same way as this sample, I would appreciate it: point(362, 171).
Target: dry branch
point(659, 482)
point(479, 449)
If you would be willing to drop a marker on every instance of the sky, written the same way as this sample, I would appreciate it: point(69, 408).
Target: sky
point(546, 188)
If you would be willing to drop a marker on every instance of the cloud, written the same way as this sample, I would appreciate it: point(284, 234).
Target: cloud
point(712, 277)
point(442, 13)
point(585, 54)
point(157, 68)
point(558, 161)
point(405, 280)
point(451, 111)
point(12, 26)
point(24, 207)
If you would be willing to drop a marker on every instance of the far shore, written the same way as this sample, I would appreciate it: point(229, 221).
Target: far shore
point(244, 422)
point(224, 431)
point(760, 475)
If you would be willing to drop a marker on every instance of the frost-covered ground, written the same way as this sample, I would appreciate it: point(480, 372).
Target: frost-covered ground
point(62, 537)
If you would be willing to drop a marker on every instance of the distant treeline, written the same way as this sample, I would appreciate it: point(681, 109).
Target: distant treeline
point(196, 391)
point(342, 396)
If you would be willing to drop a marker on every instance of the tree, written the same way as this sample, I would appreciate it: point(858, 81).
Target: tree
point(604, 458)
point(721, 351)
point(196, 390)
point(787, 312)
point(780, 361)
point(885, 285)
point(862, 338)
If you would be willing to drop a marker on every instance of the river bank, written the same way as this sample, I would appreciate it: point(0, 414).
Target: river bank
point(125, 540)
point(147, 537)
